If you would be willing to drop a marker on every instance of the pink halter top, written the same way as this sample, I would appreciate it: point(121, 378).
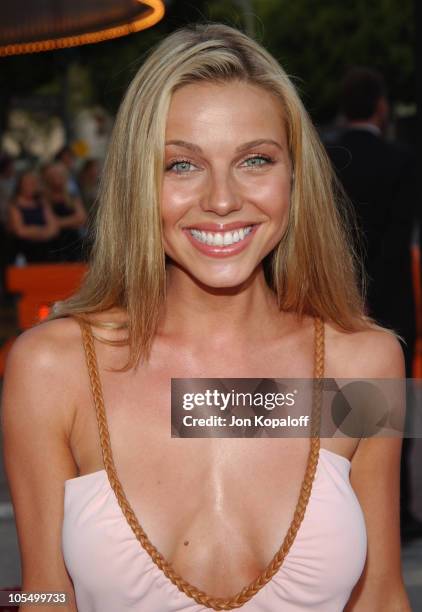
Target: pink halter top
point(111, 571)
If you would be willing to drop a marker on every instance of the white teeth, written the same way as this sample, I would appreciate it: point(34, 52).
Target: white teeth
point(219, 239)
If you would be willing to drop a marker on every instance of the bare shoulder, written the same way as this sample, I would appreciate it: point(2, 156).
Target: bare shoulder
point(56, 346)
point(372, 353)
point(54, 350)
point(44, 365)
point(45, 341)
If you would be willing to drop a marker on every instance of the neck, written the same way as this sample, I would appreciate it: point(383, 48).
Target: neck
point(219, 316)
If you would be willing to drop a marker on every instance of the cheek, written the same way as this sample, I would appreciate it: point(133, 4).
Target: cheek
point(178, 197)
point(274, 198)
point(176, 200)
point(173, 205)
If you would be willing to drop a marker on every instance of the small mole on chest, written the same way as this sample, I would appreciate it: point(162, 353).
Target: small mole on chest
point(186, 542)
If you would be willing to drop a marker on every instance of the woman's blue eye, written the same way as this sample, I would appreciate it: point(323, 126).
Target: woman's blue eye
point(258, 160)
point(181, 166)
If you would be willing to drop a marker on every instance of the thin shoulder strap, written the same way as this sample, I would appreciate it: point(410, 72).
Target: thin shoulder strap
point(319, 369)
point(202, 598)
point(97, 393)
point(319, 348)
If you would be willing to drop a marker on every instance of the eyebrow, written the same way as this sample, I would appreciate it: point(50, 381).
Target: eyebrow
point(239, 149)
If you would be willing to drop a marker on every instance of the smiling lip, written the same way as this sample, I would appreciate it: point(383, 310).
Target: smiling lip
point(220, 227)
point(221, 251)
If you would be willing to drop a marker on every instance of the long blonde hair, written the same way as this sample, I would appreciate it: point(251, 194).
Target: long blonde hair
point(312, 270)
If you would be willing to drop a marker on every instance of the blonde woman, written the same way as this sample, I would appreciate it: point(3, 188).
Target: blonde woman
point(219, 252)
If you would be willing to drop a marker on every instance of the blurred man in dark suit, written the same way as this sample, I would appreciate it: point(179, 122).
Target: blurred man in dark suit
point(380, 179)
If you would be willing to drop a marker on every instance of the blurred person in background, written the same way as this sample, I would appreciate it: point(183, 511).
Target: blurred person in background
point(30, 220)
point(7, 183)
point(379, 177)
point(88, 181)
point(7, 187)
point(67, 157)
point(69, 212)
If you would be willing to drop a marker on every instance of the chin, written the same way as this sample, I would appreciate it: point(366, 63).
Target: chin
point(217, 274)
point(222, 280)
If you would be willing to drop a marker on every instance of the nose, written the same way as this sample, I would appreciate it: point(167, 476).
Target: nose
point(222, 194)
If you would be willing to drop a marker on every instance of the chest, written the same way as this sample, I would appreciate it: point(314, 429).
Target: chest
point(202, 499)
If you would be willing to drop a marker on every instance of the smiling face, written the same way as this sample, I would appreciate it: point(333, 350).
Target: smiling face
point(226, 186)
